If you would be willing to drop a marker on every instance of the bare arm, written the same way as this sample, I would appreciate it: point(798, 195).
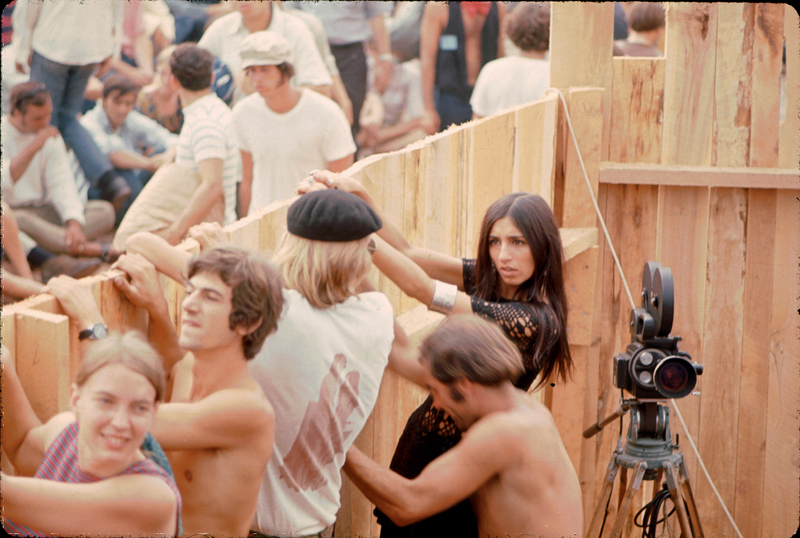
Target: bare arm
point(342, 164)
point(447, 480)
point(122, 505)
point(143, 289)
point(339, 94)
point(23, 432)
point(170, 260)
point(435, 264)
point(434, 20)
point(226, 418)
point(203, 199)
point(246, 186)
point(410, 277)
point(126, 160)
point(403, 360)
point(383, 67)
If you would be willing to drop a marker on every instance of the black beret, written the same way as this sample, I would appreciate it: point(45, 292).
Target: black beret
point(332, 215)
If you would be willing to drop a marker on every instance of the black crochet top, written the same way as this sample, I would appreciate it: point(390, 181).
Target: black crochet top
point(429, 433)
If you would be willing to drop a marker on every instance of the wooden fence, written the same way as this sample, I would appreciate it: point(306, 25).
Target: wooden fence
point(691, 168)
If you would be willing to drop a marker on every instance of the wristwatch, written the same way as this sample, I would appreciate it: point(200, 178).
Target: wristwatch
point(95, 332)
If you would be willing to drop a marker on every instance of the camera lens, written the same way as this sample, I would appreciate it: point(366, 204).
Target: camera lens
point(675, 377)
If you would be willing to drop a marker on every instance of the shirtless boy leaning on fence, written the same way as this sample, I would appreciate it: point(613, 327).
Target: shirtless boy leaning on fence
point(511, 462)
point(218, 426)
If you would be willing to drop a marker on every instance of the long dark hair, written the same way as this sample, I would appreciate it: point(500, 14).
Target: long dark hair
point(534, 218)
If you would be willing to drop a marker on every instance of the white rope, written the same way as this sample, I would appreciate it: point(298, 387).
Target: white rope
point(633, 306)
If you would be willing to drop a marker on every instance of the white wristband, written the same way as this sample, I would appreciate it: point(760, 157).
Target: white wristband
point(444, 297)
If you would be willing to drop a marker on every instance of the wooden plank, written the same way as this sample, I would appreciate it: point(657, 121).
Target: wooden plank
point(732, 85)
point(637, 110)
point(272, 225)
point(244, 232)
point(722, 355)
point(789, 153)
point(698, 176)
point(682, 246)
point(438, 169)
point(760, 253)
point(689, 83)
point(535, 146)
point(577, 240)
point(43, 361)
point(580, 273)
point(585, 110)
point(492, 165)
point(581, 43)
point(767, 54)
point(781, 472)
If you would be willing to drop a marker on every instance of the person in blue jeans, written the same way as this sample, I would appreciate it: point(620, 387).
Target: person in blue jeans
point(134, 144)
point(63, 43)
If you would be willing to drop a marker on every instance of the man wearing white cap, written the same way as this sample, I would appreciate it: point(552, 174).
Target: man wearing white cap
point(283, 131)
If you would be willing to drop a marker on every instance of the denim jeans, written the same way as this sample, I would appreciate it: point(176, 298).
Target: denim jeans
point(451, 109)
point(66, 84)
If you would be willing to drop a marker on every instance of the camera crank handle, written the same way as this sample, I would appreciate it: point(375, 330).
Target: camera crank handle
point(593, 430)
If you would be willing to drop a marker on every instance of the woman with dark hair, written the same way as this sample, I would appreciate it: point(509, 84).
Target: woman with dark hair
point(516, 281)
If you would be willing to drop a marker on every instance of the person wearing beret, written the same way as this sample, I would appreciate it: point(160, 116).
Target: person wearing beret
point(322, 368)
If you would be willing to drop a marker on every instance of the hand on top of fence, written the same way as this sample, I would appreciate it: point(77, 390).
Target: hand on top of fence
point(142, 287)
point(320, 179)
point(209, 235)
point(75, 297)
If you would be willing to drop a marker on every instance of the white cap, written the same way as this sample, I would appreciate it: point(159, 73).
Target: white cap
point(264, 48)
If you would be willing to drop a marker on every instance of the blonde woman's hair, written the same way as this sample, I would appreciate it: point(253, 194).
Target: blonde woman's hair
point(326, 273)
point(130, 349)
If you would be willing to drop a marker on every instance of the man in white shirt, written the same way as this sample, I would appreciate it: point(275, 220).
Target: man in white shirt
point(201, 185)
point(63, 43)
point(224, 37)
point(37, 181)
point(135, 144)
point(283, 131)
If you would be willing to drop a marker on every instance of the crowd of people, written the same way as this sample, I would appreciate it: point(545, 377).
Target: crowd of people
point(130, 126)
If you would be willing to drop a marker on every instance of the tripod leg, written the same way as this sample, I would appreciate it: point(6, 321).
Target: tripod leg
point(677, 498)
point(630, 491)
point(601, 511)
point(683, 479)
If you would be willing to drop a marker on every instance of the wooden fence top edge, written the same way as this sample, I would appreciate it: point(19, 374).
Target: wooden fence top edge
point(698, 176)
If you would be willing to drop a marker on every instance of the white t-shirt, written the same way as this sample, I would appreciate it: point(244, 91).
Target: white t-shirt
point(286, 147)
point(321, 370)
point(224, 37)
point(207, 133)
point(48, 179)
point(508, 82)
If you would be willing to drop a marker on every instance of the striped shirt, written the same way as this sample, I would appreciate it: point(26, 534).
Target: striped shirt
point(207, 134)
point(60, 464)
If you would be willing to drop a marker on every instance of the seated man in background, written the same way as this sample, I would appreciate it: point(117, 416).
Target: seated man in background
point(38, 183)
point(224, 37)
point(283, 131)
point(201, 185)
point(217, 427)
point(510, 463)
point(647, 21)
point(136, 145)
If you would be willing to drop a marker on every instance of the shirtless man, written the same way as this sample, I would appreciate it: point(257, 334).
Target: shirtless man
point(511, 462)
point(218, 426)
point(456, 40)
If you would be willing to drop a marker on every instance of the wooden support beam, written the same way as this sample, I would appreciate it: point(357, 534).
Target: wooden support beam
point(698, 176)
point(637, 110)
point(581, 45)
point(691, 38)
point(42, 346)
point(789, 153)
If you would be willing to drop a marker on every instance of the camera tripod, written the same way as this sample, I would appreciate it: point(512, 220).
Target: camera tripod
point(649, 451)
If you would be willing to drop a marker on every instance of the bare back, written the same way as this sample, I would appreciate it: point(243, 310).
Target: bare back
point(537, 493)
point(220, 484)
